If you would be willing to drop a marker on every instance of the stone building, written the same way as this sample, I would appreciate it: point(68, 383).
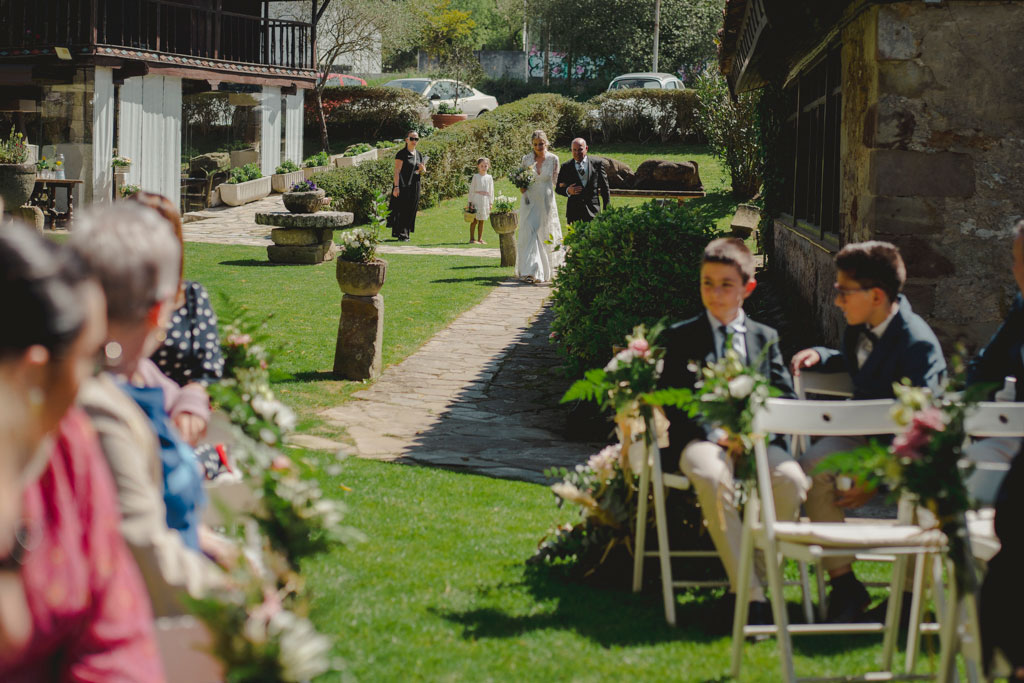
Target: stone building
point(85, 77)
point(901, 121)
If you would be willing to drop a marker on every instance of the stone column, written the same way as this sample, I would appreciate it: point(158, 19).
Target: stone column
point(507, 243)
point(360, 337)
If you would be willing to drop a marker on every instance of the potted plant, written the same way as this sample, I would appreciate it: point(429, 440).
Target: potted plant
point(120, 164)
point(447, 114)
point(355, 155)
point(304, 197)
point(286, 175)
point(43, 168)
point(359, 271)
point(17, 177)
point(129, 190)
point(317, 163)
point(504, 221)
point(246, 184)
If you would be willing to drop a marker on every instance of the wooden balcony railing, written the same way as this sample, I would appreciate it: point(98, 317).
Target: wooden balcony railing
point(166, 26)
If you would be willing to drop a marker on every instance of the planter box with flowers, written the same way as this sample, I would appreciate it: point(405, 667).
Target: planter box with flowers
point(504, 221)
point(318, 163)
point(245, 185)
point(355, 155)
point(286, 175)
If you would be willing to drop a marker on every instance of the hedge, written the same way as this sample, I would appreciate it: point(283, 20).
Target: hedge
point(365, 112)
point(502, 135)
point(507, 90)
point(628, 266)
point(642, 114)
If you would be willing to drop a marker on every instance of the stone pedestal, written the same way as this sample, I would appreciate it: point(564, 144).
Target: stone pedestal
point(507, 244)
point(302, 238)
point(357, 355)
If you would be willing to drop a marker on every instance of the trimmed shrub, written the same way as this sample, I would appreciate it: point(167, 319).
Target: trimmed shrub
point(642, 114)
point(628, 266)
point(355, 188)
point(367, 113)
point(507, 90)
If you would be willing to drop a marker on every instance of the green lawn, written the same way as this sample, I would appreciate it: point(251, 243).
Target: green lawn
point(443, 225)
point(441, 592)
point(422, 295)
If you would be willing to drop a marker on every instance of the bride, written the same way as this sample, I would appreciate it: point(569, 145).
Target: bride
point(539, 250)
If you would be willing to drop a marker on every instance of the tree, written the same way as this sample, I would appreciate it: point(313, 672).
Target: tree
point(448, 36)
point(731, 126)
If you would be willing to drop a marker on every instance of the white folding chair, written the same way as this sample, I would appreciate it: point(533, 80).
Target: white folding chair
point(812, 541)
point(651, 475)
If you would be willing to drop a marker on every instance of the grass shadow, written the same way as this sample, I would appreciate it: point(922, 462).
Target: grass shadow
point(483, 280)
point(248, 262)
point(714, 205)
point(312, 376)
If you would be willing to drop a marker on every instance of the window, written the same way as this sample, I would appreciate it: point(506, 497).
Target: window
point(810, 147)
point(465, 92)
point(444, 90)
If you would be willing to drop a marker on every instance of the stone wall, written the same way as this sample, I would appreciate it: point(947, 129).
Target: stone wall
point(947, 156)
point(808, 271)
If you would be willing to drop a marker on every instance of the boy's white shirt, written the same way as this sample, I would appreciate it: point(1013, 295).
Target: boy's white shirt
point(865, 346)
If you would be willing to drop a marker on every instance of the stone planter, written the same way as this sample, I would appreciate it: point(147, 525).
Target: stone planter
point(445, 120)
point(505, 225)
point(361, 279)
point(16, 184)
point(282, 182)
point(243, 193)
point(304, 202)
point(343, 162)
point(307, 173)
point(122, 169)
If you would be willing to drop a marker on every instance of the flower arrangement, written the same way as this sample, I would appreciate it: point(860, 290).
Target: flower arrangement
point(522, 177)
point(304, 186)
point(129, 190)
point(359, 245)
point(43, 164)
point(13, 149)
point(318, 159)
point(120, 161)
point(503, 204)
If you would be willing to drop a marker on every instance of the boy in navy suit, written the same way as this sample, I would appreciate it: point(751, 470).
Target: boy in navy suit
point(1001, 358)
point(705, 455)
point(884, 342)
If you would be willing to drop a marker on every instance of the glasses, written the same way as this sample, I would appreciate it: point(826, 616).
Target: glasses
point(413, 139)
point(843, 292)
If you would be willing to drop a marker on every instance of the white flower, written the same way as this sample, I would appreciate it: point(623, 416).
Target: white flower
point(741, 386)
point(603, 463)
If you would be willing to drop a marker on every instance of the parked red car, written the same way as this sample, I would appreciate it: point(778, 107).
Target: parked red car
point(343, 79)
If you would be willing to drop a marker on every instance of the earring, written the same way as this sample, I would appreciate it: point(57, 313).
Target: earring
point(161, 336)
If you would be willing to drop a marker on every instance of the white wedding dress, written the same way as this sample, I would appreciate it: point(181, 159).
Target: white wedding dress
point(539, 250)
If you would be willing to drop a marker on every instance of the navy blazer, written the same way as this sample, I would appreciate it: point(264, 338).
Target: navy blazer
point(693, 341)
point(585, 205)
point(908, 348)
point(1003, 356)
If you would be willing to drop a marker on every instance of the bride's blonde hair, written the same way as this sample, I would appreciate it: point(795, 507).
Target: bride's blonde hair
point(540, 135)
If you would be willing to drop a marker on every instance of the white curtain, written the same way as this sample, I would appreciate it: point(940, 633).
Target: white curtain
point(293, 121)
point(103, 135)
point(150, 133)
point(270, 129)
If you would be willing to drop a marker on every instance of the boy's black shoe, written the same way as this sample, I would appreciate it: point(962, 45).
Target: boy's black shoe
point(848, 600)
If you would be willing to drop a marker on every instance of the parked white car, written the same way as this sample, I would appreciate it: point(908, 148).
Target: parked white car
point(470, 100)
point(646, 79)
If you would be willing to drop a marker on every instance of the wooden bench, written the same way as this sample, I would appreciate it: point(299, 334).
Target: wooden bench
point(679, 195)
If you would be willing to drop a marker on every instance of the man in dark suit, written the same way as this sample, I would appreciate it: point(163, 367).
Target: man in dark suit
point(583, 179)
point(706, 454)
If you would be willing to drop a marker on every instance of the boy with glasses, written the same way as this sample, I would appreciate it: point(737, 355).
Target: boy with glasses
point(884, 342)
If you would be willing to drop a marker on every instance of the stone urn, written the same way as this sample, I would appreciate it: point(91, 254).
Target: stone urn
point(361, 279)
point(16, 184)
point(505, 225)
point(304, 202)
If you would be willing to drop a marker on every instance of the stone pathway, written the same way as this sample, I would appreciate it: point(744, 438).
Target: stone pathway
point(481, 396)
point(237, 225)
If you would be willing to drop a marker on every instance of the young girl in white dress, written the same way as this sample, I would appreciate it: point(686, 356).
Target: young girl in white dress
point(539, 251)
point(481, 194)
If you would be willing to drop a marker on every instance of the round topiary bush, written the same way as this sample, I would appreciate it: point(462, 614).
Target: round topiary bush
point(628, 266)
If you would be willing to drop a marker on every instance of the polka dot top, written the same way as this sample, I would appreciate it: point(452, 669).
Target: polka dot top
point(191, 352)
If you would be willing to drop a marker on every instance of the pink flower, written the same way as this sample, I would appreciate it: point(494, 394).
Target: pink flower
point(281, 463)
point(930, 418)
point(640, 346)
point(239, 339)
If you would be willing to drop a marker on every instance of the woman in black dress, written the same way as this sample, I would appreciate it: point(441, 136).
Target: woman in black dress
point(405, 191)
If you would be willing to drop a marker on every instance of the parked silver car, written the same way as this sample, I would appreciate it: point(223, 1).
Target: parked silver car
point(470, 100)
point(646, 79)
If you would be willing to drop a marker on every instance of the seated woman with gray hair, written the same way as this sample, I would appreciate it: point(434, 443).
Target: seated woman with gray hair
point(135, 255)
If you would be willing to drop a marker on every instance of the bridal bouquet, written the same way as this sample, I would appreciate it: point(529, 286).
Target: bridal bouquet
point(522, 177)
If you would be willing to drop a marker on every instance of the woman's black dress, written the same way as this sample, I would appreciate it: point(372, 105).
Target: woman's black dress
point(403, 207)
